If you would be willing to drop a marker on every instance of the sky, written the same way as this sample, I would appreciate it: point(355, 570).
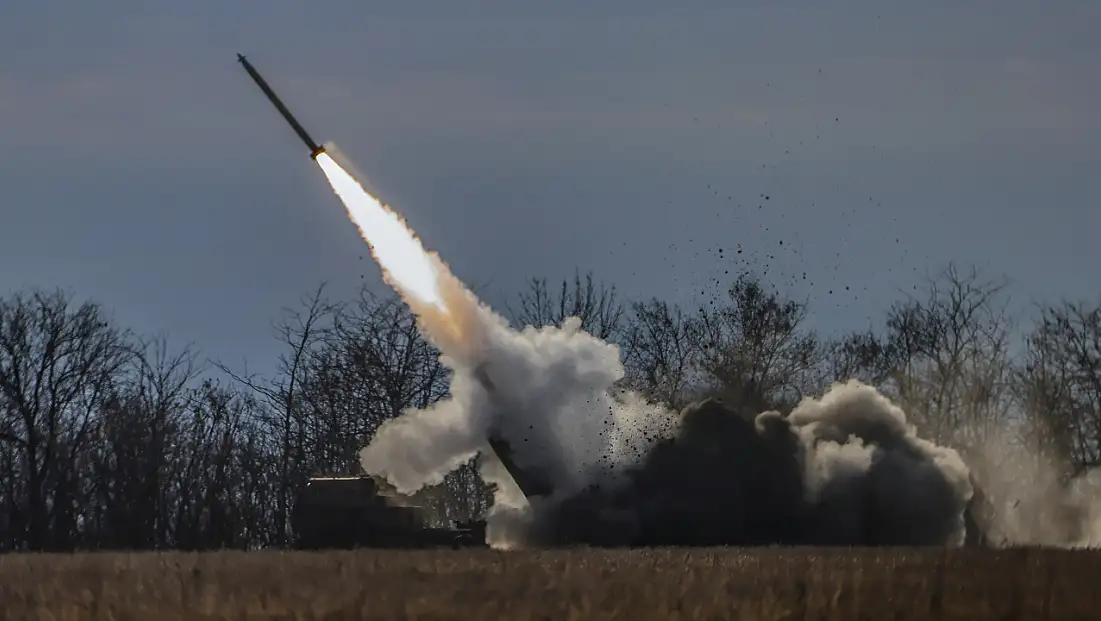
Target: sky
point(862, 145)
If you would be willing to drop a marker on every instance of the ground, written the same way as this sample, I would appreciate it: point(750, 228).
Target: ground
point(760, 584)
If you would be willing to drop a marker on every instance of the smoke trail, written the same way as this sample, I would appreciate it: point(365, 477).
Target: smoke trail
point(846, 468)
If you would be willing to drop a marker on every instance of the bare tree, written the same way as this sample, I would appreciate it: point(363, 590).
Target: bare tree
point(1060, 384)
point(211, 492)
point(388, 356)
point(59, 362)
point(756, 352)
point(303, 332)
point(597, 306)
point(106, 440)
point(952, 362)
point(132, 455)
point(661, 351)
point(863, 356)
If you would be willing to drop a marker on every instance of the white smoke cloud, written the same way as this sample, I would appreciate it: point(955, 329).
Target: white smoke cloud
point(421, 447)
point(552, 398)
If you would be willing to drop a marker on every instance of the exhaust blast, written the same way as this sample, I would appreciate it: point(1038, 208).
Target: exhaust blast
point(548, 393)
point(844, 469)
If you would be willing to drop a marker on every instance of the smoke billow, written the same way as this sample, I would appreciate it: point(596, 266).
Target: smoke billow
point(1029, 497)
point(843, 469)
point(548, 392)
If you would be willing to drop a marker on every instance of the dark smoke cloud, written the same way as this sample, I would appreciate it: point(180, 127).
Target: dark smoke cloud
point(845, 469)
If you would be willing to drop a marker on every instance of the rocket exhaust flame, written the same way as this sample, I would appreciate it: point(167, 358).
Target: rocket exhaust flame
point(447, 312)
point(405, 263)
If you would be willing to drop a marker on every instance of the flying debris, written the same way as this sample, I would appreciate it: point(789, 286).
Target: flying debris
point(315, 149)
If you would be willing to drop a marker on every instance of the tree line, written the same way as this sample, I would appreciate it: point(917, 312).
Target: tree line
point(112, 440)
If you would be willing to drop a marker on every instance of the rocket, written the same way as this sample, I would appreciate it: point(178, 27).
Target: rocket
point(315, 149)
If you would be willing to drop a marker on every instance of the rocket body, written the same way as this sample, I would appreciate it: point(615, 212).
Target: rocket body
point(315, 149)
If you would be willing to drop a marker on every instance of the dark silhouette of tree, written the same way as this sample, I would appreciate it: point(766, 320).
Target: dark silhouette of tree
point(59, 363)
point(944, 355)
point(303, 332)
point(756, 352)
point(662, 347)
point(1060, 384)
point(596, 305)
point(109, 440)
point(131, 452)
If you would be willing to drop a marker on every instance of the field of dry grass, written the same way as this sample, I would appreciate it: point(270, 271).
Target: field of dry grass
point(562, 584)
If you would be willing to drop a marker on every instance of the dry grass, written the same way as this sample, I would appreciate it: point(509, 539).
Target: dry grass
point(564, 584)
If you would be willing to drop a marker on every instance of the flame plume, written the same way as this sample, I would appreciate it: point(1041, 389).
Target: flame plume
point(446, 310)
point(406, 265)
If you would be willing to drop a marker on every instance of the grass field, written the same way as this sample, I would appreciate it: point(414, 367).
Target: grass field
point(776, 583)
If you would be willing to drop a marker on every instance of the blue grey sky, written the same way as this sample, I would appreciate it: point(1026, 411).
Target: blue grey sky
point(635, 138)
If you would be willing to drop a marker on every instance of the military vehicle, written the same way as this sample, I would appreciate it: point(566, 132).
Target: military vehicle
point(359, 511)
point(344, 512)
